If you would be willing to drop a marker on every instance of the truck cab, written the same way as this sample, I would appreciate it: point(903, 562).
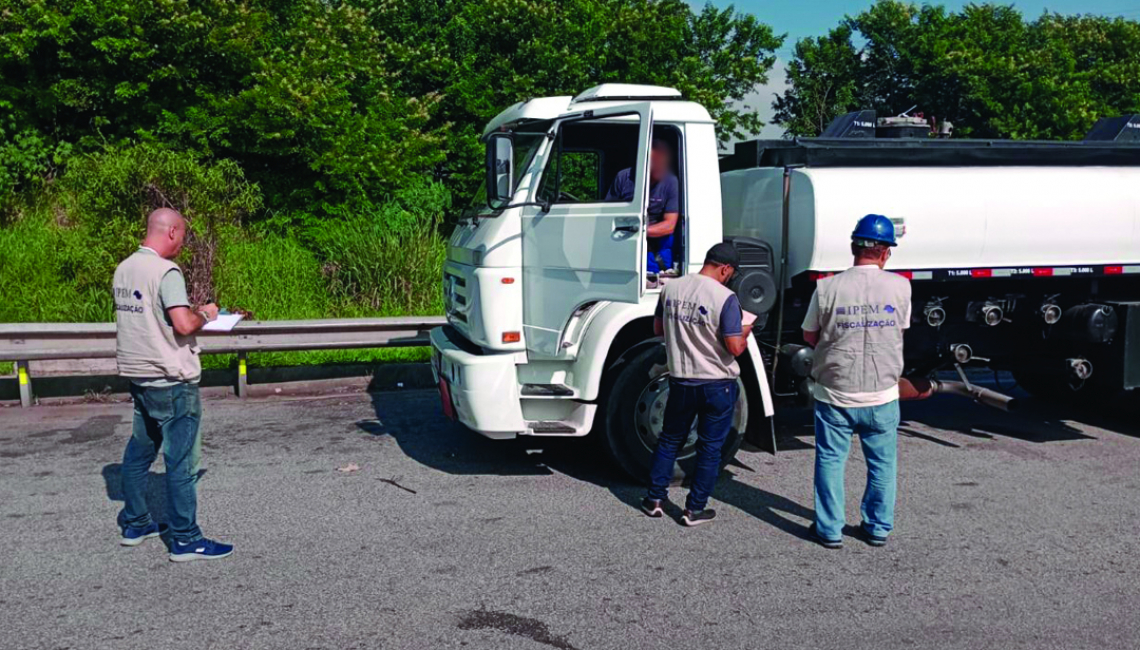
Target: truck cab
point(547, 290)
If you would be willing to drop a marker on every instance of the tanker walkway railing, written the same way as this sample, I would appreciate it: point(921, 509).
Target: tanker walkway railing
point(25, 342)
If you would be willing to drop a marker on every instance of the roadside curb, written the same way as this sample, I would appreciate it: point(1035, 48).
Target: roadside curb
point(219, 384)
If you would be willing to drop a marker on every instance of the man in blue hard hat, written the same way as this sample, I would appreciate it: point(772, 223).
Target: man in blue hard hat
point(855, 322)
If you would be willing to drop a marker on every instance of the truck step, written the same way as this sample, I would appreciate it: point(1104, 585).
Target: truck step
point(550, 427)
point(546, 390)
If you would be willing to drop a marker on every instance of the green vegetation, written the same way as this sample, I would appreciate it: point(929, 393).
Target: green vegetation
point(985, 68)
point(321, 148)
point(314, 145)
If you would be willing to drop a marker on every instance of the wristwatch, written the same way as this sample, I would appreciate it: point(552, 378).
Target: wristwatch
point(205, 316)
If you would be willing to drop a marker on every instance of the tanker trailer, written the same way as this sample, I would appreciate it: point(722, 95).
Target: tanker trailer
point(1023, 256)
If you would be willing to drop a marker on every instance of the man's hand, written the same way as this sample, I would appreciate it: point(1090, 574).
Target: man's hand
point(737, 345)
point(665, 227)
point(811, 338)
point(186, 321)
point(210, 312)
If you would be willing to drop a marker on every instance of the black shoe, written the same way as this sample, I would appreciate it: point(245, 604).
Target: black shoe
point(652, 507)
point(691, 518)
point(872, 540)
point(833, 544)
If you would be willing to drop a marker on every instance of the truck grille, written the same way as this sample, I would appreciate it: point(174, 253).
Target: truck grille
point(455, 296)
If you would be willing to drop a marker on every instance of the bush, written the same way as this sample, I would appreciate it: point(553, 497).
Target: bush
point(107, 196)
point(57, 255)
point(272, 276)
point(386, 259)
point(27, 159)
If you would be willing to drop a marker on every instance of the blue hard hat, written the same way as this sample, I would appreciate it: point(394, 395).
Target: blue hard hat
point(876, 228)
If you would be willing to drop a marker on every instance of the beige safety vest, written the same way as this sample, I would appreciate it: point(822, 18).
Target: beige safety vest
point(146, 344)
point(862, 314)
point(690, 312)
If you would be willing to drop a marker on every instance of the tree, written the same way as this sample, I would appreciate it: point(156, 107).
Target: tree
point(822, 83)
point(299, 92)
point(481, 56)
point(994, 74)
point(326, 101)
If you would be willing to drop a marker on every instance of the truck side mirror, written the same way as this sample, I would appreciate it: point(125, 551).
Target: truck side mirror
point(500, 170)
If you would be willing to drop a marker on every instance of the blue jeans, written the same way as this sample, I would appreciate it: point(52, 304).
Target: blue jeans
point(877, 427)
point(664, 246)
point(713, 405)
point(165, 418)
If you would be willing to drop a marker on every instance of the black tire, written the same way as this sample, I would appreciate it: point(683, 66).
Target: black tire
point(633, 450)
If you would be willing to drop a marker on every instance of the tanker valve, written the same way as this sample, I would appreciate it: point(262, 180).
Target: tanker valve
point(1050, 312)
point(961, 352)
point(1080, 369)
point(934, 313)
point(992, 315)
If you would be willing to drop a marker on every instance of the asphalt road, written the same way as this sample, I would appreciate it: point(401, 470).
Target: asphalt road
point(1013, 531)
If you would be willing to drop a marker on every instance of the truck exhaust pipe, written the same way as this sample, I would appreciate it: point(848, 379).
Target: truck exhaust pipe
point(919, 388)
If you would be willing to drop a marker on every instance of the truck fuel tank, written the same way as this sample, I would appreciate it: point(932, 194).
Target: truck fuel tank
point(1088, 324)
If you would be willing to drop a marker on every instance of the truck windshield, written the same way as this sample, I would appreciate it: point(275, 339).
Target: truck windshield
point(528, 139)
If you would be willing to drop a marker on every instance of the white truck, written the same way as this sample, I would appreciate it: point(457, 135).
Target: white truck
point(1023, 256)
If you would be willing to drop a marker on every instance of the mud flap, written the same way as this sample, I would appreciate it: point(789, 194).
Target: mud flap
point(762, 433)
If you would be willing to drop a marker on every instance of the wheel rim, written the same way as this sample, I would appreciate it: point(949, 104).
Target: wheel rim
point(649, 416)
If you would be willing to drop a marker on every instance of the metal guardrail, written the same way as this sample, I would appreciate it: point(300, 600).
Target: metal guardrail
point(24, 342)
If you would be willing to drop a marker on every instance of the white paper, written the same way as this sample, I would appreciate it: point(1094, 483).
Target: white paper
point(749, 317)
point(223, 323)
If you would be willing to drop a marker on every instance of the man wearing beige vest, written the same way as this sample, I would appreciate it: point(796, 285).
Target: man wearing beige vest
point(855, 322)
point(704, 332)
point(157, 351)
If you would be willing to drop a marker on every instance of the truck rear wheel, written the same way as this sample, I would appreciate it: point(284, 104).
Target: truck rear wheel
point(633, 413)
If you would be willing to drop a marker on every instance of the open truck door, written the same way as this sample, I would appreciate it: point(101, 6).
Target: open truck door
point(578, 247)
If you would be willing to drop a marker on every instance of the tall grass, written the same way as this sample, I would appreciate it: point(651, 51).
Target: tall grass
point(43, 273)
point(269, 277)
point(387, 258)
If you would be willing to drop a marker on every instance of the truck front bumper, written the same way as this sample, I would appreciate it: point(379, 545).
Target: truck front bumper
point(481, 388)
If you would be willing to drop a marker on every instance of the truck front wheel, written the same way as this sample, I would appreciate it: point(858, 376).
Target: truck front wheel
point(634, 410)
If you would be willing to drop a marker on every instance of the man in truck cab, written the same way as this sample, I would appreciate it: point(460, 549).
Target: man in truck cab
point(664, 204)
point(704, 333)
point(855, 322)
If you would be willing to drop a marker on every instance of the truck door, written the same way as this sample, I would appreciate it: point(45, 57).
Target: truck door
point(589, 246)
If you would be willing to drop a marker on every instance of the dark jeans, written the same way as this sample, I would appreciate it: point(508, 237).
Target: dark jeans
point(167, 419)
point(713, 405)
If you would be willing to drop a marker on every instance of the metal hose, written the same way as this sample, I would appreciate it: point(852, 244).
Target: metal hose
point(919, 388)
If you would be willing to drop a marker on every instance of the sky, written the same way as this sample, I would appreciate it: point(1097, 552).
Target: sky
point(800, 18)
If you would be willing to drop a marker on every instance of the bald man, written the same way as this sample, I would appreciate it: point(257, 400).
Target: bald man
point(157, 351)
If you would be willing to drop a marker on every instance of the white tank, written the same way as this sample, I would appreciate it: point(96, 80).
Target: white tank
point(955, 217)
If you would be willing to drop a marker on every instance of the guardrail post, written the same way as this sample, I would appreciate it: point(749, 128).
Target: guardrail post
point(242, 384)
point(25, 383)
